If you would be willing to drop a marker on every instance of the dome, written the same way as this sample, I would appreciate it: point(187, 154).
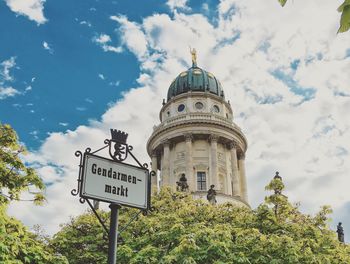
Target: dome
point(195, 79)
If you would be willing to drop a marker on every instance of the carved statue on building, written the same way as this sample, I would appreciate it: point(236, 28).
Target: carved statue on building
point(194, 56)
point(211, 196)
point(182, 185)
point(340, 232)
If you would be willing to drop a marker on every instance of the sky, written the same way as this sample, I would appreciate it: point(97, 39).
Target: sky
point(70, 71)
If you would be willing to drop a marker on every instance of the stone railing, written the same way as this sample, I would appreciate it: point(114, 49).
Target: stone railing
point(193, 117)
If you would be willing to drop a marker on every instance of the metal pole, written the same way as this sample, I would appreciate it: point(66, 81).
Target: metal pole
point(113, 234)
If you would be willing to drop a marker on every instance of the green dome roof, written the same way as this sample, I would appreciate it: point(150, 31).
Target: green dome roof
point(197, 80)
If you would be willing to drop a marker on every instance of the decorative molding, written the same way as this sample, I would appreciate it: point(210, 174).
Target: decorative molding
point(232, 145)
point(213, 138)
point(241, 156)
point(188, 137)
point(166, 142)
point(201, 167)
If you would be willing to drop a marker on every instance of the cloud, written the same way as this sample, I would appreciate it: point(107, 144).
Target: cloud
point(177, 4)
point(85, 23)
point(132, 36)
point(33, 9)
point(103, 40)
point(5, 78)
point(7, 92)
point(6, 66)
point(101, 76)
point(47, 47)
point(306, 139)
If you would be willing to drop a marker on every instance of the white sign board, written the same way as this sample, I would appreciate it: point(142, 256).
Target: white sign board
point(114, 182)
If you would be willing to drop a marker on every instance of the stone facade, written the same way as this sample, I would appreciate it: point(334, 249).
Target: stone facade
point(197, 137)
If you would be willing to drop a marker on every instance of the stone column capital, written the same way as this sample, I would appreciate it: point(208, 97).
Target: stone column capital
point(166, 142)
point(213, 138)
point(188, 137)
point(232, 145)
point(241, 156)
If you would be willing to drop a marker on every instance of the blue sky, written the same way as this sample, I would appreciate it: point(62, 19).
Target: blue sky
point(70, 71)
point(73, 81)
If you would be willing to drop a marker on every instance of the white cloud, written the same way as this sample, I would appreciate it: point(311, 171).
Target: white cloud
point(177, 4)
point(133, 37)
point(306, 139)
point(6, 66)
point(101, 76)
point(63, 124)
point(5, 77)
point(47, 47)
point(103, 40)
point(7, 92)
point(85, 23)
point(33, 9)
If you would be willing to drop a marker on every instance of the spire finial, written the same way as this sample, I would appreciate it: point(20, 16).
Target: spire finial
point(194, 56)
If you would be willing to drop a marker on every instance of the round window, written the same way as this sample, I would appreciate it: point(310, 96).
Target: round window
point(181, 107)
point(199, 105)
point(216, 109)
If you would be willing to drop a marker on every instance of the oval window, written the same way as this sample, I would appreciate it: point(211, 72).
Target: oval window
point(216, 109)
point(199, 105)
point(181, 107)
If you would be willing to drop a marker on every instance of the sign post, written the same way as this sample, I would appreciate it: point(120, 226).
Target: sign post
point(114, 182)
point(113, 234)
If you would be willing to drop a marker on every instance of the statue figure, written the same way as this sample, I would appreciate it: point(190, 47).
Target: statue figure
point(182, 183)
point(340, 232)
point(277, 177)
point(211, 196)
point(194, 56)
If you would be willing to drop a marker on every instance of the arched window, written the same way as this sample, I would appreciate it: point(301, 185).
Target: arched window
point(201, 181)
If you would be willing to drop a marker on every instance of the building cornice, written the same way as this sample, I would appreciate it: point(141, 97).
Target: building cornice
point(164, 130)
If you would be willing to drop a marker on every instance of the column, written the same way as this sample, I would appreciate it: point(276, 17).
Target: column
point(189, 163)
point(241, 164)
point(154, 179)
point(214, 161)
point(165, 165)
point(236, 187)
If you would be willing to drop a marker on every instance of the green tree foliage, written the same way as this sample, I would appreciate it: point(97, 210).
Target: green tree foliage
point(182, 230)
point(344, 9)
point(15, 176)
point(18, 245)
point(83, 240)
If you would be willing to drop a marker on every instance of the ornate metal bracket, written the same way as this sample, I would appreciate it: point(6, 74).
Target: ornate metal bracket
point(118, 150)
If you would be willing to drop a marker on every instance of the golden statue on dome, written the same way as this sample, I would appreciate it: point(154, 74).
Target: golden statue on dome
point(194, 56)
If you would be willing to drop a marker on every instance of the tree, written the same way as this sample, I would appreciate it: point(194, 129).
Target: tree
point(15, 176)
point(17, 244)
point(344, 9)
point(182, 230)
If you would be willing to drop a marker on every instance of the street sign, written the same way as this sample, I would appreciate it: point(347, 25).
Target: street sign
point(115, 182)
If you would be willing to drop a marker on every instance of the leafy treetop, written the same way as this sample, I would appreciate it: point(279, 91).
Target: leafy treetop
point(15, 176)
point(182, 230)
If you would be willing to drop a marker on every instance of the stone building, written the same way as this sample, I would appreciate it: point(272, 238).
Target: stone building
point(197, 142)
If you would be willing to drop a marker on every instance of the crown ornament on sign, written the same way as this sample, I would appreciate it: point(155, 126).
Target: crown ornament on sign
point(119, 136)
